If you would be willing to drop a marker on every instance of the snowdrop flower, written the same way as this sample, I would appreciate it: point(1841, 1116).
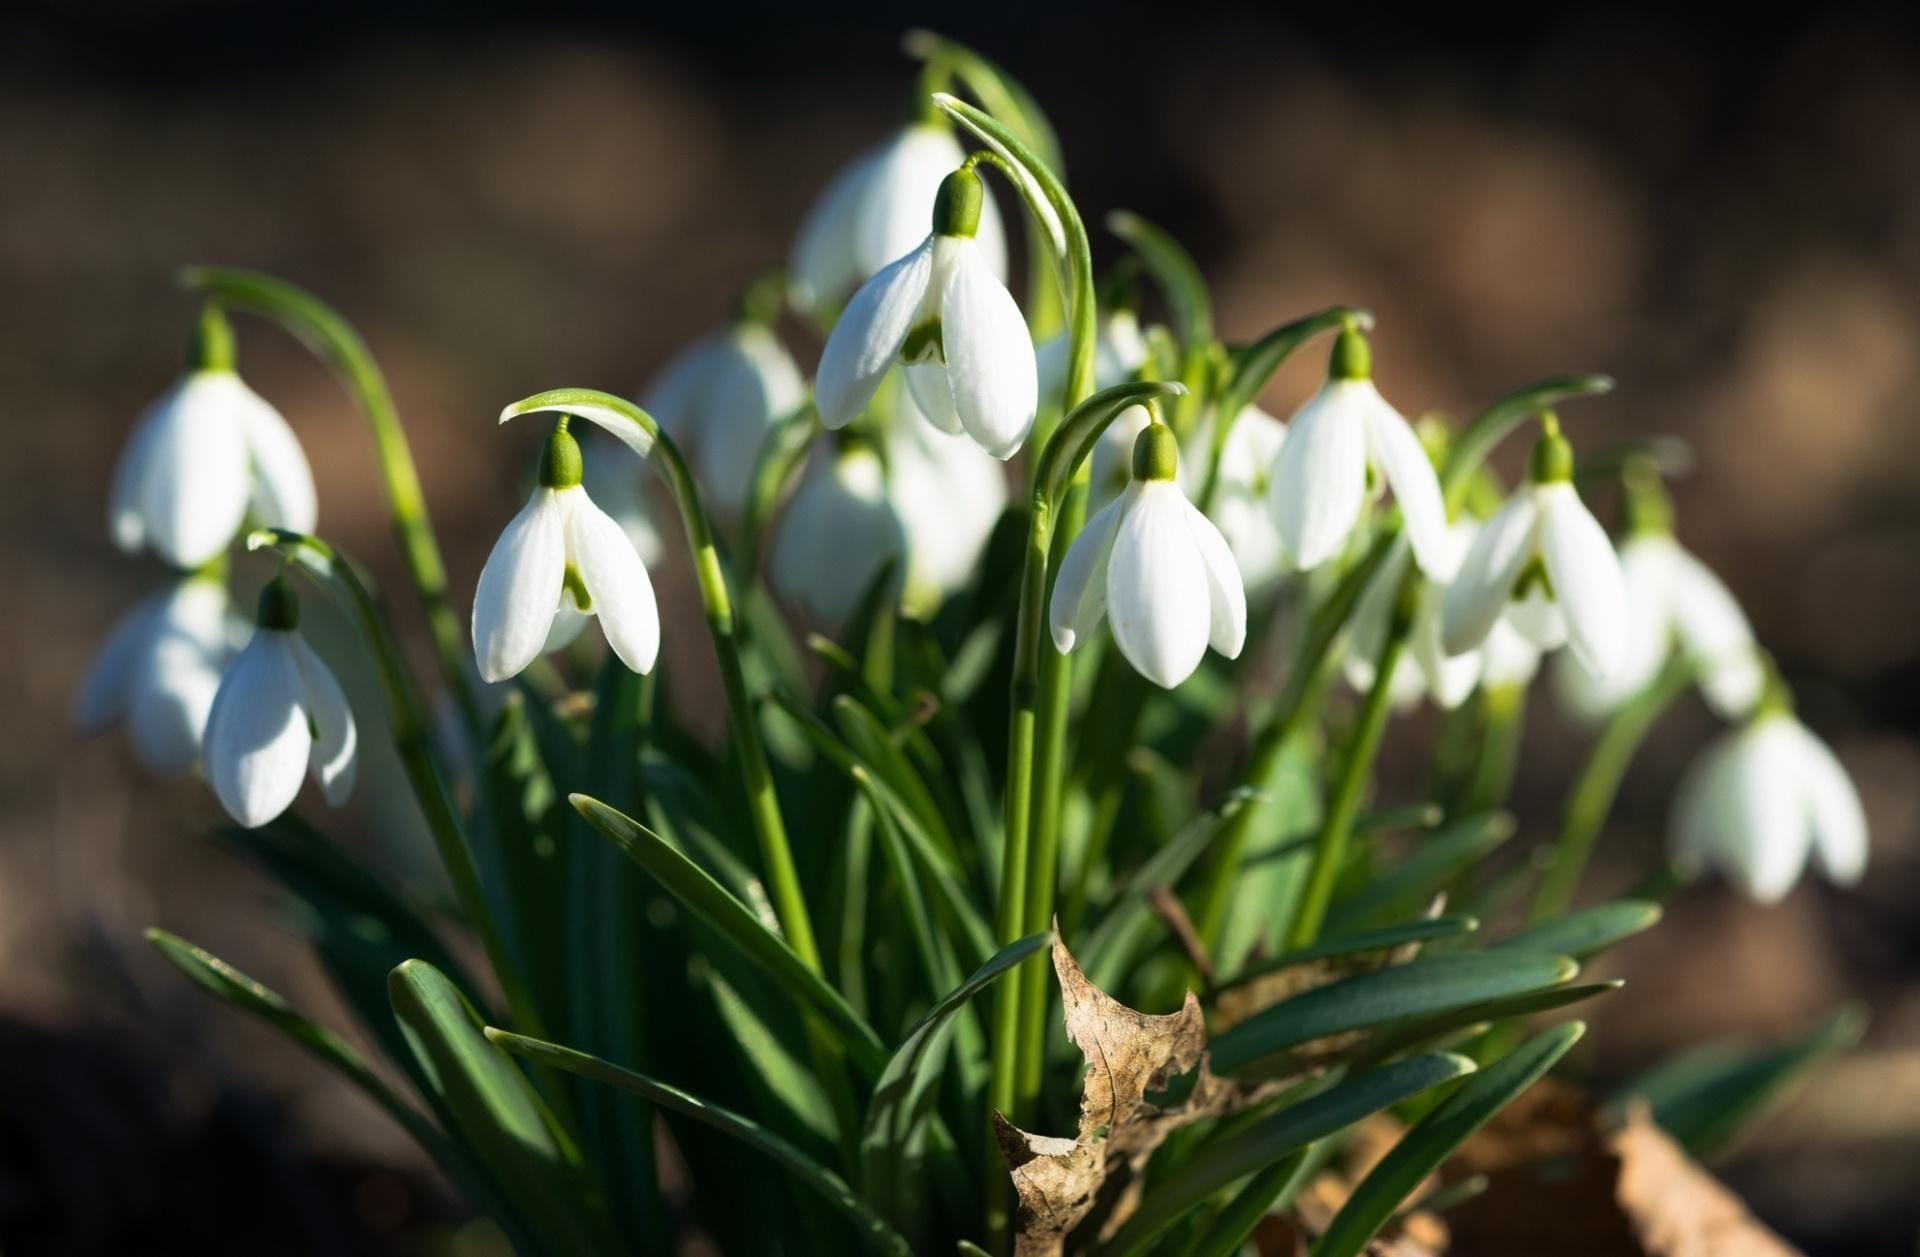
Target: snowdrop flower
point(875, 210)
point(158, 671)
point(1157, 569)
point(1509, 659)
point(1320, 482)
point(948, 494)
point(1674, 599)
point(719, 398)
point(203, 456)
point(1119, 351)
point(1424, 669)
point(561, 550)
point(1762, 799)
point(840, 530)
point(1546, 556)
point(941, 310)
point(278, 716)
point(1240, 496)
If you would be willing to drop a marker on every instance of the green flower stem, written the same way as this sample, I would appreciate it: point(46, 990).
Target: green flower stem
point(1591, 799)
point(1330, 848)
point(323, 330)
point(1484, 786)
point(763, 804)
point(409, 723)
point(1310, 669)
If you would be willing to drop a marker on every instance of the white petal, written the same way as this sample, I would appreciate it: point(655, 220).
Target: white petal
point(1507, 657)
point(568, 623)
point(333, 760)
point(1586, 579)
point(1834, 810)
point(822, 266)
point(989, 355)
point(677, 396)
point(1321, 481)
point(616, 582)
point(171, 699)
point(126, 499)
point(194, 489)
point(1226, 595)
point(519, 588)
point(755, 385)
point(1647, 565)
point(932, 395)
point(1448, 678)
point(838, 532)
point(1157, 597)
point(1080, 586)
point(868, 336)
point(896, 209)
point(283, 493)
point(1715, 632)
point(1367, 627)
point(1479, 591)
point(1768, 833)
point(949, 495)
point(1409, 473)
point(101, 701)
point(257, 737)
point(1703, 801)
point(617, 485)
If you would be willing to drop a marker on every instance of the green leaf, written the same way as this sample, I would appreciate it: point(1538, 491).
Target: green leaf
point(1436, 1136)
point(527, 830)
point(1421, 1034)
point(1426, 987)
point(1220, 1164)
point(1432, 863)
point(1175, 271)
point(1702, 1097)
point(498, 1113)
point(1078, 432)
point(1589, 931)
point(1002, 94)
point(787, 1082)
point(906, 1086)
point(738, 924)
point(871, 1226)
point(1233, 1224)
point(1381, 939)
point(1112, 943)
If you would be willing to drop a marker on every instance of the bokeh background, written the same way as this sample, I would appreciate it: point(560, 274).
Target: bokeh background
point(1727, 219)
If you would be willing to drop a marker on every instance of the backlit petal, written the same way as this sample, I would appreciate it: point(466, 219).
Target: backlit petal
point(1479, 591)
point(257, 737)
point(1586, 579)
point(520, 588)
point(616, 582)
point(334, 758)
point(1157, 598)
point(867, 339)
point(1321, 480)
point(989, 353)
point(1080, 587)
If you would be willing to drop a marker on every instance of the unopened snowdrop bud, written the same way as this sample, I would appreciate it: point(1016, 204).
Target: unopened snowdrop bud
point(1546, 554)
point(1157, 569)
point(210, 451)
point(1320, 482)
point(1764, 797)
point(875, 210)
point(1673, 600)
point(719, 398)
point(279, 715)
point(158, 671)
point(562, 551)
point(943, 312)
point(839, 531)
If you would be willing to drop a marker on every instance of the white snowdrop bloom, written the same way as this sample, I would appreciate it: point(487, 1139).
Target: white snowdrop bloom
point(1424, 669)
point(562, 550)
point(1240, 498)
point(1764, 797)
point(876, 209)
point(839, 530)
point(278, 716)
point(948, 494)
point(1157, 569)
point(940, 310)
point(719, 398)
point(618, 486)
point(158, 671)
point(1320, 483)
point(1675, 600)
point(1119, 351)
point(1543, 541)
point(210, 451)
point(1508, 657)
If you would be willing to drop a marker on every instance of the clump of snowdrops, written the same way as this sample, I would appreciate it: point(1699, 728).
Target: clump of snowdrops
point(1037, 896)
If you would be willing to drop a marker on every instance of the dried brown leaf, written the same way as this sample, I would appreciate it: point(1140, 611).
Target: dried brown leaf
point(1675, 1207)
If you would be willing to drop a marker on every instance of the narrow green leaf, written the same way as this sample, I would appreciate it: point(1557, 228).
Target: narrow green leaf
point(1387, 936)
point(1175, 271)
point(1589, 931)
point(1702, 1097)
point(787, 1081)
point(1426, 987)
point(737, 923)
point(499, 1114)
point(1074, 439)
point(1224, 1162)
point(1230, 1228)
point(1111, 945)
point(1432, 863)
point(1429, 1033)
point(1002, 95)
point(1436, 1136)
point(871, 1226)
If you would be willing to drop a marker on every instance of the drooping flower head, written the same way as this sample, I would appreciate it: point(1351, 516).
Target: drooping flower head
point(1425, 670)
point(1156, 569)
point(562, 551)
point(1344, 432)
point(210, 451)
point(279, 715)
point(948, 493)
point(158, 671)
point(876, 209)
point(1545, 562)
point(718, 400)
point(839, 531)
point(942, 312)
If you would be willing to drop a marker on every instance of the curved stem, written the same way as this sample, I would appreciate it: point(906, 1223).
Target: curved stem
point(321, 329)
point(408, 720)
point(1591, 799)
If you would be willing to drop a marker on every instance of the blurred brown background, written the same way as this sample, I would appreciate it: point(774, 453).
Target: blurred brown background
point(1724, 219)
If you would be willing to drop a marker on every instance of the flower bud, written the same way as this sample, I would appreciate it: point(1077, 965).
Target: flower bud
point(1552, 459)
point(210, 344)
point(1352, 357)
point(560, 466)
point(956, 207)
point(1156, 453)
point(279, 606)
